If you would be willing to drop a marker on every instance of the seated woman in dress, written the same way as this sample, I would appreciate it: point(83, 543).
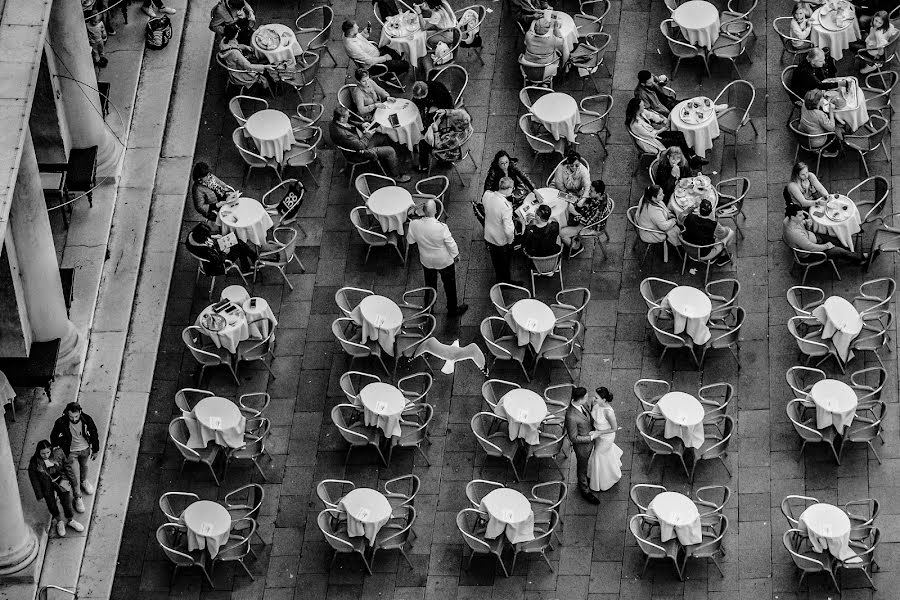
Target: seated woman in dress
point(880, 35)
point(586, 212)
point(436, 15)
point(572, 176)
point(804, 188)
point(504, 165)
point(236, 55)
point(817, 118)
point(653, 214)
point(801, 25)
point(605, 463)
point(651, 130)
point(208, 192)
point(672, 167)
point(368, 95)
point(445, 135)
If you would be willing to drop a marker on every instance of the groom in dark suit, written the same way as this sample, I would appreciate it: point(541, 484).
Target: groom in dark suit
point(580, 430)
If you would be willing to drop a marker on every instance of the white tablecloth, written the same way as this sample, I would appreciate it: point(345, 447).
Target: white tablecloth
point(835, 404)
point(559, 113)
point(854, 114)
point(247, 219)
point(842, 324)
point(234, 331)
point(380, 319)
point(286, 52)
point(389, 206)
point(691, 307)
point(699, 133)
point(567, 30)
point(699, 22)
point(367, 512)
point(688, 194)
point(828, 528)
point(824, 35)
point(208, 525)
point(254, 310)
point(842, 230)
point(558, 206)
point(215, 419)
point(411, 44)
point(678, 517)
point(684, 418)
point(409, 128)
point(532, 320)
point(7, 393)
point(508, 510)
point(525, 411)
point(271, 130)
point(382, 405)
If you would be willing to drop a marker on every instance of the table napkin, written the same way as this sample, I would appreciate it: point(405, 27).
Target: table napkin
point(215, 422)
point(206, 528)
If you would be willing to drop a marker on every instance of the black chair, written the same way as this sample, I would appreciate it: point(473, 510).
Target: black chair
point(79, 174)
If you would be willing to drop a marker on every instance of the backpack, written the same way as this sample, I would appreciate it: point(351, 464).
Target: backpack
point(442, 54)
point(158, 32)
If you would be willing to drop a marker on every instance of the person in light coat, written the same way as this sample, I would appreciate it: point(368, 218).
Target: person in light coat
point(498, 228)
point(438, 254)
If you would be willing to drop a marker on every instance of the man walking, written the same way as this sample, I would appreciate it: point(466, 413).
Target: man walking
point(580, 430)
point(438, 253)
point(498, 227)
point(75, 433)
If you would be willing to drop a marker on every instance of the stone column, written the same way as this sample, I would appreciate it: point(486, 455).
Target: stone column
point(72, 53)
point(18, 543)
point(29, 226)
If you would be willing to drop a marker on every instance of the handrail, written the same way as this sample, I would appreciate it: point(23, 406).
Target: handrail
point(42, 593)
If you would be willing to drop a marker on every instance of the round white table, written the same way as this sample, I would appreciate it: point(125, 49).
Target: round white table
point(559, 113)
point(689, 192)
point(271, 130)
point(839, 218)
point(678, 517)
point(837, 35)
point(568, 31)
point(382, 405)
point(508, 510)
point(237, 294)
point(855, 114)
point(696, 119)
point(409, 122)
point(405, 36)
point(699, 22)
point(208, 525)
point(247, 219)
point(532, 320)
point(367, 512)
point(380, 319)
point(835, 404)
point(389, 205)
point(287, 48)
point(550, 197)
point(691, 307)
point(828, 528)
point(233, 331)
point(260, 318)
point(525, 410)
point(216, 419)
point(841, 322)
point(684, 418)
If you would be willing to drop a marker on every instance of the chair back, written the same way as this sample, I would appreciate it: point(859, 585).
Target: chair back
point(871, 136)
point(677, 47)
point(801, 379)
point(644, 424)
point(715, 497)
point(413, 485)
point(649, 548)
point(187, 398)
point(731, 337)
point(651, 293)
point(794, 411)
point(699, 253)
point(649, 391)
point(546, 265)
point(326, 520)
point(720, 448)
point(642, 494)
point(416, 386)
point(493, 390)
point(320, 40)
point(308, 149)
point(345, 99)
point(537, 144)
point(467, 522)
point(782, 26)
point(739, 94)
point(192, 337)
point(482, 424)
point(286, 240)
point(671, 340)
point(477, 489)
point(803, 561)
point(573, 300)
point(787, 76)
point(369, 236)
point(535, 74)
point(367, 183)
point(792, 506)
point(435, 186)
point(880, 189)
point(803, 299)
point(330, 491)
point(559, 165)
point(417, 432)
point(270, 201)
point(490, 338)
point(807, 346)
point(355, 349)
point(455, 78)
point(305, 73)
point(352, 388)
point(504, 295)
point(339, 417)
point(252, 502)
point(239, 137)
point(167, 536)
point(180, 434)
point(530, 94)
point(236, 106)
point(810, 142)
point(559, 490)
point(169, 510)
point(346, 298)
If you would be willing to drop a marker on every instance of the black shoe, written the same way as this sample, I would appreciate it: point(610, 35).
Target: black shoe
point(590, 497)
point(460, 310)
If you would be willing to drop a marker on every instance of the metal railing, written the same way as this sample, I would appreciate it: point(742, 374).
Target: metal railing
point(42, 593)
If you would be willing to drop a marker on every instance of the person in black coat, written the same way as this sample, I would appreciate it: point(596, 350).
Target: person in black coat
point(52, 477)
point(203, 244)
point(502, 166)
point(812, 73)
point(429, 97)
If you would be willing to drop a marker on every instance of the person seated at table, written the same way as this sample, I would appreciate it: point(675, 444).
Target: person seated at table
point(541, 236)
point(817, 118)
point(368, 95)
point(672, 167)
point(365, 53)
point(544, 43)
point(436, 15)
point(801, 25)
point(880, 35)
point(866, 10)
point(572, 176)
point(587, 211)
point(236, 55)
point(653, 214)
point(651, 131)
point(445, 134)
point(812, 72)
point(504, 165)
point(203, 243)
point(804, 188)
point(797, 234)
point(208, 192)
point(368, 142)
point(233, 12)
point(429, 97)
point(702, 229)
point(653, 93)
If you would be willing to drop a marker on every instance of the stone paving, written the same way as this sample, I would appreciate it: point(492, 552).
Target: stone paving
point(599, 559)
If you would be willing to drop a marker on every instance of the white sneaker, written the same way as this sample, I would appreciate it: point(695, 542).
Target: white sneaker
point(868, 69)
point(167, 10)
point(87, 487)
point(61, 528)
point(79, 505)
point(148, 10)
point(76, 525)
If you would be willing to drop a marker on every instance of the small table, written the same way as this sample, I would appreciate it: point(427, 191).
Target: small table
point(835, 404)
point(508, 510)
point(839, 218)
point(699, 22)
point(689, 192)
point(568, 31)
point(684, 418)
point(827, 33)
point(532, 320)
point(696, 119)
point(558, 206)
point(380, 319)
point(559, 113)
point(231, 333)
point(208, 525)
point(828, 527)
point(271, 130)
point(287, 49)
point(409, 122)
point(390, 205)
point(382, 405)
point(367, 512)
point(678, 517)
point(403, 34)
point(842, 324)
point(247, 219)
point(216, 419)
point(260, 318)
point(525, 410)
point(691, 307)
point(855, 114)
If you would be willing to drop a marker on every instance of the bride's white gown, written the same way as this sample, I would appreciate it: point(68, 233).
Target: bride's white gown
point(605, 464)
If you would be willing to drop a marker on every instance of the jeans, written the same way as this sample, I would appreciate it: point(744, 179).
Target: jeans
point(82, 457)
point(65, 498)
point(395, 64)
point(501, 257)
point(448, 277)
point(385, 155)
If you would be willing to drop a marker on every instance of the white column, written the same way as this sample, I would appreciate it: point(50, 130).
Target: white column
point(72, 54)
point(29, 226)
point(18, 543)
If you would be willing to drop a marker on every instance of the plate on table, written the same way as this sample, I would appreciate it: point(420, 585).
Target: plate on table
point(267, 39)
point(213, 322)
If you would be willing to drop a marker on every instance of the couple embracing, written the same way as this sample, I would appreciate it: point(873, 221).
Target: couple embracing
point(591, 427)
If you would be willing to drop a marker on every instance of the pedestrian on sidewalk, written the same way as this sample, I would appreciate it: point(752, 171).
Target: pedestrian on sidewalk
point(151, 6)
point(52, 477)
point(76, 435)
point(96, 37)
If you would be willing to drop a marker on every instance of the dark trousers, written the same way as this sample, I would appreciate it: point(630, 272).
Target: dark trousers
point(582, 456)
point(448, 277)
point(65, 498)
point(501, 257)
point(396, 64)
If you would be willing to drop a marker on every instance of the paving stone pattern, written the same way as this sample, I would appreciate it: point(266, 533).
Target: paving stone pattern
point(599, 559)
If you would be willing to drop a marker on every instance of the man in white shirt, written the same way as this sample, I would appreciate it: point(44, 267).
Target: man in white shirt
point(438, 253)
point(498, 228)
point(365, 53)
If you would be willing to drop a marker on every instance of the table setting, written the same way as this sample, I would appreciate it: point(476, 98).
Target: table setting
point(380, 319)
point(557, 201)
point(834, 26)
point(837, 217)
point(208, 525)
point(699, 22)
point(684, 418)
point(850, 102)
point(367, 512)
point(390, 206)
point(835, 404)
point(828, 528)
point(559, 114)
point(841, 324)
point(688, 194)
point(403, 33)
point(276, 43)
point(696, 119)
point(408, 127)
point(382, 406)
point(532, 321)
point(271, 131)
point(508, 511)
point(246, 218)
point(227, 324)
point(678, 517)
point(218, 420)
point(525, 410)
point(691, 308)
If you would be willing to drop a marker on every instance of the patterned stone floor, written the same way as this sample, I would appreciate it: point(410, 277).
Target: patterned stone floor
point(599, 559)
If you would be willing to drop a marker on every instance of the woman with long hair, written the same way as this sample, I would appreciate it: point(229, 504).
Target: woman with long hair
point(655, 216)
point(605, 463)
point(880, 35)
point(672, 166)
point(804, 189)
point(651, 130)
point(502, 166)
point(53, 480)
point(208, 191)
point(445, 135)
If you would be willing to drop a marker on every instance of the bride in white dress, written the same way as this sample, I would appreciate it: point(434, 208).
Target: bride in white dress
point(605, 464)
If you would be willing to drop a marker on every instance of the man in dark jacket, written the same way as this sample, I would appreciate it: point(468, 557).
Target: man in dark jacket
point(76, 435)
point(703, 230)
point(430, 96)
point(374, 145)
point(812, 73)
point(581, 434)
